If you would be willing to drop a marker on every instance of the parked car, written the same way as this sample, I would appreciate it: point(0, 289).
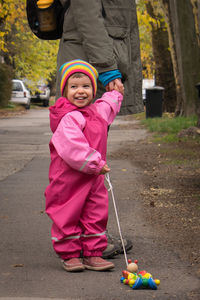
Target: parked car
point(20, 93)
point(41, 95)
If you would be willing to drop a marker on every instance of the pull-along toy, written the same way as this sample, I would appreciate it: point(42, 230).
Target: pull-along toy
point(136, 279)
point(131, 276)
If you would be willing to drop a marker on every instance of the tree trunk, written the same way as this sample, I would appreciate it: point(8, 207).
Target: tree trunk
point(164, 75)
point(168, 18)
point(196, 10)
point(184, 31)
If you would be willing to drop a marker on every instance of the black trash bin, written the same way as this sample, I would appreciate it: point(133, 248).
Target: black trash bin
point(198, 88)
point(153, 101)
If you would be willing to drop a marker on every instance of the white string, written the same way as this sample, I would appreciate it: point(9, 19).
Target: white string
point(107, 176)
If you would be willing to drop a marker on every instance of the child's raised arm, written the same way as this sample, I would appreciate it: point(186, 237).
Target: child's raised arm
point(115, 84)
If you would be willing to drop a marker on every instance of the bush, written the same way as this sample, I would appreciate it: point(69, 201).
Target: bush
point(5, 84)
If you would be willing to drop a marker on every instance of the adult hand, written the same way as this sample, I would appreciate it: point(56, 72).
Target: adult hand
point(115, 84)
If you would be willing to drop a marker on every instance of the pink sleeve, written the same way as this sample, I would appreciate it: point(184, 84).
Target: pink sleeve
point(72, 146)
point(109, 105)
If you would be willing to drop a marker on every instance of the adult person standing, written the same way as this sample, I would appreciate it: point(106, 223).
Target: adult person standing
point(105, 33)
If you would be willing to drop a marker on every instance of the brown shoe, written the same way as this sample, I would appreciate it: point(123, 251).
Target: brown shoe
point(73, 265)
point(97, 263)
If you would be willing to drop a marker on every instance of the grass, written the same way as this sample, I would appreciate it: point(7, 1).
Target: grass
point(139, 116)
point(183, 152)
point(167, 127)
point(169, 124)
point(11, 107)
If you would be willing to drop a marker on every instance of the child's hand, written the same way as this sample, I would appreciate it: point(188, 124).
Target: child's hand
point(115, 84)
point(105, 169)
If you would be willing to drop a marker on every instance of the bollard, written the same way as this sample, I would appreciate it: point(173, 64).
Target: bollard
point(153, 102)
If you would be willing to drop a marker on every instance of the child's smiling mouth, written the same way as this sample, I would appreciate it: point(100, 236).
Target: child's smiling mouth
point(81, 98)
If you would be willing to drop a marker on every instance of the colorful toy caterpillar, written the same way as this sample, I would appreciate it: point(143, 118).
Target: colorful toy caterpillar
point(138, 280)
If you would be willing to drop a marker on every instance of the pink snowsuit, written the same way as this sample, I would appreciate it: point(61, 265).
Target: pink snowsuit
point(76, 197)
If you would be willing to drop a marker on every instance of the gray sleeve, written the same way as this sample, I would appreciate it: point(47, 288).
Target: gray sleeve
point(97, 44)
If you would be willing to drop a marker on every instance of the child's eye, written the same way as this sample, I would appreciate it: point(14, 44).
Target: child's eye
point(86, 86)
point(73, 86)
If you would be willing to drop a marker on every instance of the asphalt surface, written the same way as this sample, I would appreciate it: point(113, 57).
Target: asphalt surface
point(29, 267)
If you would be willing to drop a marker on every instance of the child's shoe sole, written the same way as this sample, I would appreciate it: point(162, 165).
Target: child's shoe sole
point(73, 265)
point(97, 264)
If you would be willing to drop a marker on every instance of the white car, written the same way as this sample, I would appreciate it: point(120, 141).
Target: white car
point(41, 95)
point(20, 93)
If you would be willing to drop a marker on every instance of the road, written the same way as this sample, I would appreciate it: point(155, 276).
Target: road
point(29, 267)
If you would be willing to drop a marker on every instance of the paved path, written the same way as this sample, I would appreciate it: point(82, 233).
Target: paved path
point(29, 267)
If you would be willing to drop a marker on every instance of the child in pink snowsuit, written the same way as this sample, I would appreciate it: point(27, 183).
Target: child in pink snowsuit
point(76, 197)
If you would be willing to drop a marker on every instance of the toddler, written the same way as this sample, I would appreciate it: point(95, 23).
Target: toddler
point(76, 197)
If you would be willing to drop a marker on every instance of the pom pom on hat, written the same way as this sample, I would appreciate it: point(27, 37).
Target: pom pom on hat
point(75, 66)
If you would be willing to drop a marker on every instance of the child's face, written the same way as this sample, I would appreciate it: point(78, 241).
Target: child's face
point(79, 91)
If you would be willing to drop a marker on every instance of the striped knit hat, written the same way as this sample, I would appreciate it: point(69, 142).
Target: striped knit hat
point(75, 66)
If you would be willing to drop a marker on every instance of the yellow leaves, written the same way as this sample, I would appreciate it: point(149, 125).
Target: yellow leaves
point(147, 23)
point(145, 20)
point(2, 43)
point(145, 40)
point(2, 34)
point(10, 14)
point(4, 8)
